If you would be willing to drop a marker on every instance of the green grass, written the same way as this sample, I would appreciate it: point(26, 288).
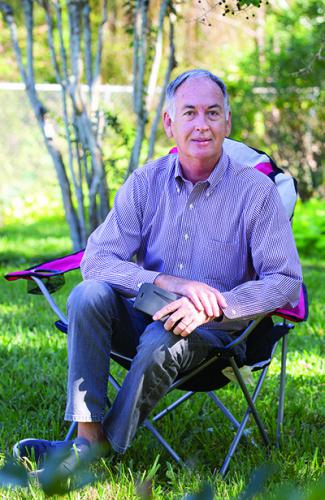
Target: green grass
point(32, 394)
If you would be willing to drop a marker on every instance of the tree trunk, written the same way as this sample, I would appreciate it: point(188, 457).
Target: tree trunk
point(40, 114)
point(170, 66)
point(82, 122)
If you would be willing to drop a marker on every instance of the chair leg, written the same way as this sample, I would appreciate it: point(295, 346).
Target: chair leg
point(249, 401)
point(71, 431)
point(172, 406)
point(240, 431)
point(163, 442)
point(230, 416)
point(224, 410)
point(279, 425)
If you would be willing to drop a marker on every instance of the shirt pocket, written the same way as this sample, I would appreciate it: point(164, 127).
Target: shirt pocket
point(221, 262)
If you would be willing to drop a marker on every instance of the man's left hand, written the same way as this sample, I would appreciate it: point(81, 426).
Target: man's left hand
point(183, 317)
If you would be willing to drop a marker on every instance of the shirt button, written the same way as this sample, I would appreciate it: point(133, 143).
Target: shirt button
point(181, 266)
point(178, 190)
point(234, 311)
point(139, 284)
point(186, 236)
point(191, 206)
point(207, 194)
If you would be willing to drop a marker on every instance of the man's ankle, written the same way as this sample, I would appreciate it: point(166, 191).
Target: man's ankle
point(92, 431)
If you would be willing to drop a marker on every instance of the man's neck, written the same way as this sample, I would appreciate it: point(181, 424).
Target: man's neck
point(196, 170)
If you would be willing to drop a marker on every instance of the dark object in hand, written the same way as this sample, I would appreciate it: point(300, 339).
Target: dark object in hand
point(152, 298)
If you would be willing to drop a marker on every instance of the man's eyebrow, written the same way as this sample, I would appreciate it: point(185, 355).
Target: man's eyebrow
point(215, 106)
point(190, 106)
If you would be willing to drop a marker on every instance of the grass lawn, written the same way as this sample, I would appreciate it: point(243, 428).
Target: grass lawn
point(33, 367)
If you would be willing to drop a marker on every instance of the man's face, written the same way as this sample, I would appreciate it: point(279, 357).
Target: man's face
point(200, 125)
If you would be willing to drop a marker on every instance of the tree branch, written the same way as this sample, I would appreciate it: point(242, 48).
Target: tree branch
point(142, 57)
point(316, 57)
point(87, 45)
point(77, 184)
point(99, 52)
point(171, 65)
point(136, 42)
point(157, 58)
point(46, 128)
point(28, 7)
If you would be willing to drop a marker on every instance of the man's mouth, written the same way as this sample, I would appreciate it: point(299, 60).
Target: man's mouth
point(202, 141)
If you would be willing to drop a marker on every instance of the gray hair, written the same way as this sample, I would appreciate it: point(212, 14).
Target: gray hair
point(188, 75)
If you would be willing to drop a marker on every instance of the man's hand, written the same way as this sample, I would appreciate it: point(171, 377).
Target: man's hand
point(184, 315)
point(204, 297)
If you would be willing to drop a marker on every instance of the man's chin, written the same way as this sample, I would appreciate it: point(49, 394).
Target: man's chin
point(207, 153)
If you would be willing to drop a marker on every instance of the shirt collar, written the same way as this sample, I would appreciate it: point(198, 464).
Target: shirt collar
point(215, 176)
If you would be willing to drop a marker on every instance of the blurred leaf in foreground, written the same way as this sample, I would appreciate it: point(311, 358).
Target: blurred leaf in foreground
point(13, 475)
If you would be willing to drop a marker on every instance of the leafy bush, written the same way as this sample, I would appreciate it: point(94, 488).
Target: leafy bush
point(309, 228)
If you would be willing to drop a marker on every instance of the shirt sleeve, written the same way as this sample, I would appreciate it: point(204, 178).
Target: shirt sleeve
point(111, 247)
point(275, 259)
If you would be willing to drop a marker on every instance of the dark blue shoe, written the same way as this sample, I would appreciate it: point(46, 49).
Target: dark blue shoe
point(41, 450)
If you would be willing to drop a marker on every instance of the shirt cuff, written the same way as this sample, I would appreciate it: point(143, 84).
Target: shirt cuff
point(145, 276)
point(233, 309)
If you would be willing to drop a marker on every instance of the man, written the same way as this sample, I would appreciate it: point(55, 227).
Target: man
point(212, 230)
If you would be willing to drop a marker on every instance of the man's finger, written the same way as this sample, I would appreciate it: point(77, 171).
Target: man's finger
point(220, 298)
point(189, 329)
point(166, 310)
point(215, 306)
point(206, 302)
point(195, 298)
point(182, 326)
point(178, 316)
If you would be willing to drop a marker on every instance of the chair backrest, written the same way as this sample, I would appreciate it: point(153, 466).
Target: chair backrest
point(287, 188)
point(285, 183)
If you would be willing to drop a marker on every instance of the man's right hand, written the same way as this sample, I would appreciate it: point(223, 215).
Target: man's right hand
point(183, 317)
point(204, 297)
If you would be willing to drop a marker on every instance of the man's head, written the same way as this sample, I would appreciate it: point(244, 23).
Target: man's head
point(198, 118)
point(189, 75)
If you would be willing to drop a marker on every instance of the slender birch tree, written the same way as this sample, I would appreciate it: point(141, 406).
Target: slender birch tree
point(76, 51)
point(79, 166)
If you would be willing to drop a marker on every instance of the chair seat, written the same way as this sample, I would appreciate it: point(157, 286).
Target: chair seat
point(259, 348)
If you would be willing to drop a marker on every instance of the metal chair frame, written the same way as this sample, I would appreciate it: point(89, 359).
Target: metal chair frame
point(250, 399)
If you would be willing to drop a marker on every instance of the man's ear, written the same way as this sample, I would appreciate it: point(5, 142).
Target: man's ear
point(167, 121)
point(228, 125)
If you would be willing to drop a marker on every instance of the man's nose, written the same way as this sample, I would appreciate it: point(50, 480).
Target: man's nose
point(201, 122)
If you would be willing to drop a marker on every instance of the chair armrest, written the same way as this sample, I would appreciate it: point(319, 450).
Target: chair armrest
point(248, 330)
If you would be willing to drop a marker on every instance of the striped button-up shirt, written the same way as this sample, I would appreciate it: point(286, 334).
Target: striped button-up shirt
point(229, 231)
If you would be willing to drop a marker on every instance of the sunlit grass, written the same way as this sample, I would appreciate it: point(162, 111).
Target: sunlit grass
point(33, 363)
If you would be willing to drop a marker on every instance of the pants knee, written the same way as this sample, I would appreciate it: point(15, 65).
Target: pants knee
point(157, 349)
point(90, 294)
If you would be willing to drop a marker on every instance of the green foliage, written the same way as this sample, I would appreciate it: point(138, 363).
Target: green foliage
point(119, 137)
point(274, 80)
point(309, 228)
point(286, 116)
point(14, 475)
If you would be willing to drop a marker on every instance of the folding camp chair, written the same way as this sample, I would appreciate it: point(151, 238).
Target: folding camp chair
point(261, 336)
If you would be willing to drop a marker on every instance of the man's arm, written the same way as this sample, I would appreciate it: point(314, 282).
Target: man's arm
point(112, 245)
point(275, 259)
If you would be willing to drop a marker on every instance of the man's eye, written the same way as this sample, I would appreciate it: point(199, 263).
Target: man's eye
point(189, 113)
point(213, 113)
